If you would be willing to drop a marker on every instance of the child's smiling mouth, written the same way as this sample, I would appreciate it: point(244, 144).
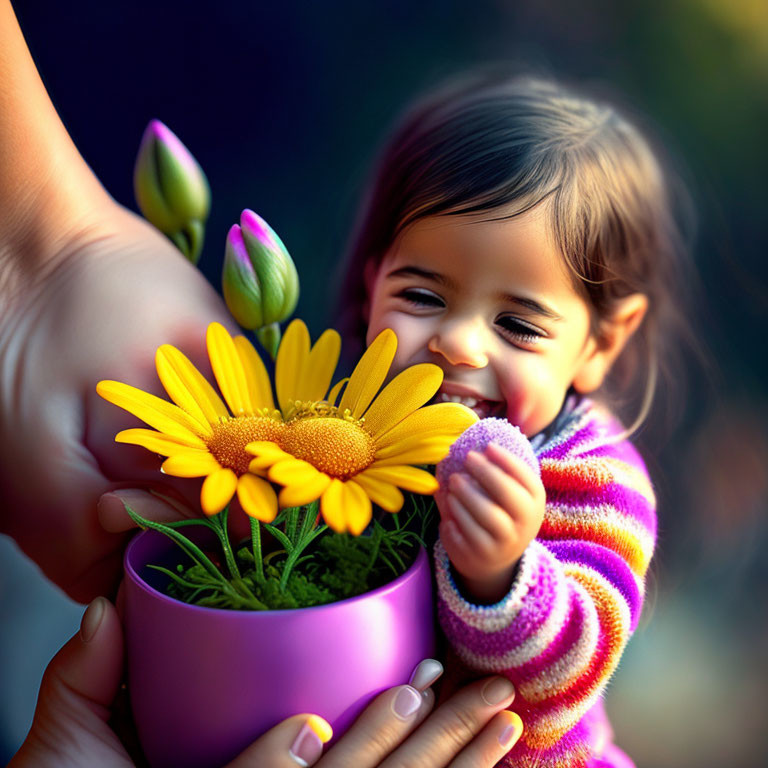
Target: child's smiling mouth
point(456, 393)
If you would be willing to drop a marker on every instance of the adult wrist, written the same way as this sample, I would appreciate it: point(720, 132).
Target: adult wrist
point(46, 188)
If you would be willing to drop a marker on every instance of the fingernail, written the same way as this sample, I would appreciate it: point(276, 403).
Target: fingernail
point(111, 510)
point(407, 701)
point(512, 732)
point(497, 690)
point(308, 746)
point(425, 674)
point(92, 617)
point(321, 727)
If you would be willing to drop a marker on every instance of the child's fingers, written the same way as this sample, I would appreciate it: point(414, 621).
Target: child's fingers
point(515, 467)
point(502, 488)
point(495, 517)
point(477, 537)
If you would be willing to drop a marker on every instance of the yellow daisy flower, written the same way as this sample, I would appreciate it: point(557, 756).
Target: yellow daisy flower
point(360, 451)
point(203, 437)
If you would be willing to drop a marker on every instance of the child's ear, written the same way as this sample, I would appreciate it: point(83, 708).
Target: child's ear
point(615, 333)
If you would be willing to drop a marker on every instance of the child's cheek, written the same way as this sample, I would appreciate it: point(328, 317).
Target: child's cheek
point(533, 398)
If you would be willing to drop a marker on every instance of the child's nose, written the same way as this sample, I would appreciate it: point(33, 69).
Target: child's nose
point(460, 343)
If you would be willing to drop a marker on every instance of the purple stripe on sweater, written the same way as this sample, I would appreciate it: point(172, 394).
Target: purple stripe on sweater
point(583, 434)
point(607, 563)
point(535, 609)
point(623, 451)
point(567, 637)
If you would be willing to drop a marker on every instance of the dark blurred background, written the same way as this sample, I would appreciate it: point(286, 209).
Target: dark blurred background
point(284, 107)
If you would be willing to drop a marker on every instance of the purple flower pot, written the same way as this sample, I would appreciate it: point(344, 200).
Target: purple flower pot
point(205, 682)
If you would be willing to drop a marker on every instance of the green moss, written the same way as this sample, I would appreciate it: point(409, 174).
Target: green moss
point(315, 566)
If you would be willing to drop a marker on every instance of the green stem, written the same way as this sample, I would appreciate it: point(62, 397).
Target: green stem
point(377, 534)
point(194, 552)
point(306, 535)
point(220, 522)
point(258, 564)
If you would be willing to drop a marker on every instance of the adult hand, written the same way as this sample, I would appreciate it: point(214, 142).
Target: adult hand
point(109, 295)
point(88, 291)
point(71, 727)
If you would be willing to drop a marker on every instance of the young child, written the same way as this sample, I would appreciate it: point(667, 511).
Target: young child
point(520, 236)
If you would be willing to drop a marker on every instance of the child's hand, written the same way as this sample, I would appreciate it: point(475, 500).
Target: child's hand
point(489, 514)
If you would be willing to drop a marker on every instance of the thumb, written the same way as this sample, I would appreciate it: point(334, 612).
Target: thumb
point(76, 694)
point(149, 504)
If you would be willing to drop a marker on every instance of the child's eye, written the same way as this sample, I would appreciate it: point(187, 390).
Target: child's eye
point(421, 297)
point(519, 330)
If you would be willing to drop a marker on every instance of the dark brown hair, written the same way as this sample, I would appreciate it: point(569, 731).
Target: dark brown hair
point(487, 141)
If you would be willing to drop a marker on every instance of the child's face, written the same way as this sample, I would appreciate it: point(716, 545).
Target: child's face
point(492, 304)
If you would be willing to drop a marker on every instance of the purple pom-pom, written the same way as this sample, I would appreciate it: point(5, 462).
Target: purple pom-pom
point(477, 437)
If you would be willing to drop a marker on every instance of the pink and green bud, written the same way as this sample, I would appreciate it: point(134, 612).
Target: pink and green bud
point(171, 189)
point(260, 282)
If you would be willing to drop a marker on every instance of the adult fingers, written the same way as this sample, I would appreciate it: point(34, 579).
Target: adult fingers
point(162, 507)
point(492, 743)
point(149, 504)
point(297, 741)
point(380, 729)
point(454, 725)
point(387, 721)
point(78, 688)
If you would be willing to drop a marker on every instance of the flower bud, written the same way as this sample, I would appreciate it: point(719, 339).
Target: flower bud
point(260, 282)
point(171, 189)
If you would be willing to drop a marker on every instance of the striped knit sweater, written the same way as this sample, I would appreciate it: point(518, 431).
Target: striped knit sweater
point(559, 633)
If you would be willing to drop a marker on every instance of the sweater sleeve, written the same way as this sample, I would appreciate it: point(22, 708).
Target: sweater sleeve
point(559, 633)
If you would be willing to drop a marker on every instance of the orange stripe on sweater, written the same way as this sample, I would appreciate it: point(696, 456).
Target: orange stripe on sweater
point(621, 541)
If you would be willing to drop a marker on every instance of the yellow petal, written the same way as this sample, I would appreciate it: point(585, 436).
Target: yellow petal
point(291, 356)
point(190, 464)
point(357, 508)
point(256, 375)
point(386, 495)
point(331, 506)
point(334, 393)
point(321, 366)
point(257, 498)
point(418, 449)
point(409, 478)
point(298, 495)
point(292, 472)
point(408, 391)
point(369, 374)
point(217, 491)
point(346, 506)
point(187, 387)
point(159, 414)
point(156, 441)
point(430, 421)
point(228, 369)
point(266, 453)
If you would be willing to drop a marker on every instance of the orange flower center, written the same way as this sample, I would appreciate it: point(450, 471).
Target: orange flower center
point(229, 438)
point(337, 446)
